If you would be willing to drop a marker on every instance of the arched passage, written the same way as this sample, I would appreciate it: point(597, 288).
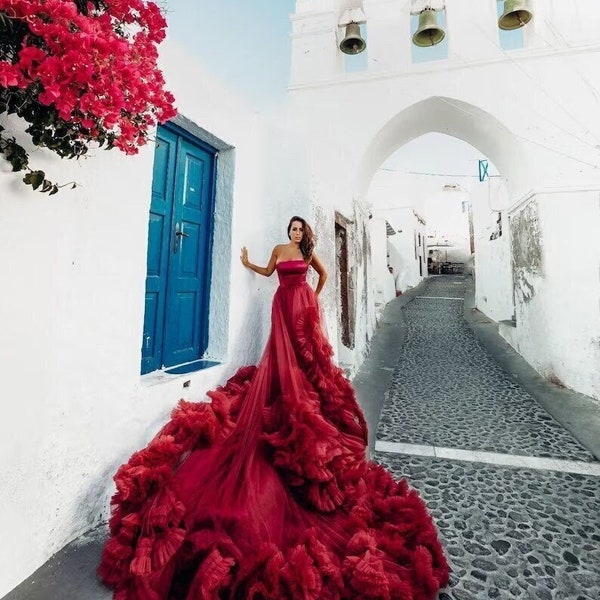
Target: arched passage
point(485, 202)
point(452, 117)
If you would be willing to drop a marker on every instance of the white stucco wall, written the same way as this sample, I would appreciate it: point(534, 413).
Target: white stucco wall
point(558, 301)
point(399, 197)
point(442, 202)
point(384, 285)
point(403, 256)
point(72, 309)
point(533, 112)
point(493, 271)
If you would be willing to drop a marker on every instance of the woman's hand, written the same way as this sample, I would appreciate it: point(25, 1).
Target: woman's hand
point(244, 256)
point(266, 271)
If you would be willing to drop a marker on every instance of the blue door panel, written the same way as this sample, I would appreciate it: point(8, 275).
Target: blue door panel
point(159, 226)
point(195, 172)
point(164, 155)
point(187, 322)
point(186, 304)
point(190, 260)
point(179, 246)
point(156, 231)
point(150, 325)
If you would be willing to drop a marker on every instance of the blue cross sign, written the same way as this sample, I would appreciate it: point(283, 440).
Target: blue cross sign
point(483, 170)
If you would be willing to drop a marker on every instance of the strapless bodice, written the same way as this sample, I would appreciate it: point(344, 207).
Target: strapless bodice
point(291, 272)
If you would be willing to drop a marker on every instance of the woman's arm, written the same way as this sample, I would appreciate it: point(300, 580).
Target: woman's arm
point(317, 265)
point(266, 271)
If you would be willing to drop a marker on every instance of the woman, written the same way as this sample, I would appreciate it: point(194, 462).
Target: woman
point(265, 492)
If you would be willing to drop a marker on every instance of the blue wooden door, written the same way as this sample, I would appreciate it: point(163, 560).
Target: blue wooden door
point(179, 246)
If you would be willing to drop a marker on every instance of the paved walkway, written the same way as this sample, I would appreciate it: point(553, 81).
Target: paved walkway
point(515, 495)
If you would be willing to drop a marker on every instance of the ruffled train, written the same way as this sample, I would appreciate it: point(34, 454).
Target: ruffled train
point(265, 492)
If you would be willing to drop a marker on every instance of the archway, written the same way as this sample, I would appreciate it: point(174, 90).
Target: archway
point(455, 118)
point(490, 234)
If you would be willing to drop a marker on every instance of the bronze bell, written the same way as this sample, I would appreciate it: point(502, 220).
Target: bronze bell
point(516, 14)
point(352, 42)
point(429, 33)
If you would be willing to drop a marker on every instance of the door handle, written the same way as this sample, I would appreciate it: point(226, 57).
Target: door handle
point(179, 233)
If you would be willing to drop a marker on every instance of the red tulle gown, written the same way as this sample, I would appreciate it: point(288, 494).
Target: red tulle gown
point(265, 492)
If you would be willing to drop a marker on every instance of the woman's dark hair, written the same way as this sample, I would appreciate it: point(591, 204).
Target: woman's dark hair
point(307, 244)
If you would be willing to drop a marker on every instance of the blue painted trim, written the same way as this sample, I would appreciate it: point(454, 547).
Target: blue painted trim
point(483, 170)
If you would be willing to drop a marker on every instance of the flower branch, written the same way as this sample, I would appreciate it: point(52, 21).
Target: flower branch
point(80, 72)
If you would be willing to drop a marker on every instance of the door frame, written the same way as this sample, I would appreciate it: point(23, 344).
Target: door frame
point(207, 278)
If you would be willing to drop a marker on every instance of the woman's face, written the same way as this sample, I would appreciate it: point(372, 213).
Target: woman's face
point(296, 232)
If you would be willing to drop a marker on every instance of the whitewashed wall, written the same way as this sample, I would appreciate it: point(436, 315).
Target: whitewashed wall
point(72, 309)
point(493, 271)
point(401, 247)
point(439, 202)
point(533, 112)
point(557, 296)
point(397, 196)
point(384, 284)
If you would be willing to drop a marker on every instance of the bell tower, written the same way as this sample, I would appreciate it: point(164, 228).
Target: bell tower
point(315, 55)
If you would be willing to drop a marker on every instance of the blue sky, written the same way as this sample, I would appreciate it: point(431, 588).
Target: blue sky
point(246, 44)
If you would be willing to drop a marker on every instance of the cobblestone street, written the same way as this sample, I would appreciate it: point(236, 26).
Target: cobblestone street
point(516, 497)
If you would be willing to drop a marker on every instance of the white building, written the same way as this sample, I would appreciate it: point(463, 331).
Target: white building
point(384, 280)
point(431, 219)
point(76, 307)
point(532, 111)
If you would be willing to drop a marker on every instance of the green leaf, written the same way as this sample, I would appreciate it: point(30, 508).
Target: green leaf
point(36, 179)
point(18, 162)
point(54, 190)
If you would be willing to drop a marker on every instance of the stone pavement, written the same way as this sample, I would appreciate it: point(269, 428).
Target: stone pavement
point(514, 489)
point(516, 496)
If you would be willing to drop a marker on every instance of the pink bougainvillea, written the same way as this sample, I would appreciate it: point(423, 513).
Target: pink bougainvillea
point(86, 69)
